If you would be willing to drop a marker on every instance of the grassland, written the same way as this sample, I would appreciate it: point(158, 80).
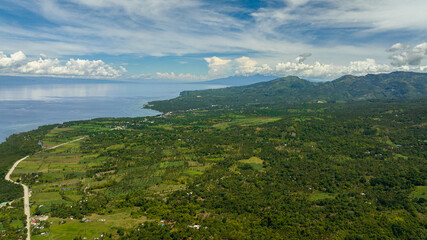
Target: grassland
point(93, 227)
point(238, 120)
point(419, 192)
point(321, 196)
point(254, 162)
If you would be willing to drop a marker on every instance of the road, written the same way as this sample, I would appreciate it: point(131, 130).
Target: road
point(26, 195)
point(26, 190)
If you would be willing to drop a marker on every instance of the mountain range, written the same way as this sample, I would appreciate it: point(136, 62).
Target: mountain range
point(291, 89)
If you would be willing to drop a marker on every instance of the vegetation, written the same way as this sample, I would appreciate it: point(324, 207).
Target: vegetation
point(308, 170)
point(12, 221)
point(397, 85)
point(15, 147)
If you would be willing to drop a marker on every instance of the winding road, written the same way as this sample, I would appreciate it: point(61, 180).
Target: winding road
point(26, 195)
point(26, 190)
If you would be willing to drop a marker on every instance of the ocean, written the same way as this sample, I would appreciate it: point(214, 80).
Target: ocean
point(24, 107)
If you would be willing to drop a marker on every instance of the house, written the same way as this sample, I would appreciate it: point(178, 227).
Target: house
point(194, 226)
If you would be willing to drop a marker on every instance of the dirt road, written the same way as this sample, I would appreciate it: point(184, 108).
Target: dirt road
point(26, 195)
point(26, 190)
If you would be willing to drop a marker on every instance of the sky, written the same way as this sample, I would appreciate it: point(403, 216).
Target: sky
point(199, 40)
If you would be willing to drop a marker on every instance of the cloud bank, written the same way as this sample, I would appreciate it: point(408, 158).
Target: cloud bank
point(403, 59)
point(17, 63)
point(411, 57)
point(14, 59)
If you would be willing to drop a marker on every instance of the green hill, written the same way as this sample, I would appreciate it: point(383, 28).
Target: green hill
point(396, 85)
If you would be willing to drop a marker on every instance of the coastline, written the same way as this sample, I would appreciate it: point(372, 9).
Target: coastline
point(59, 103)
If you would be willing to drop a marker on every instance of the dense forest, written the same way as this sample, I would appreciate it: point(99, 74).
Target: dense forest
point(307, 170)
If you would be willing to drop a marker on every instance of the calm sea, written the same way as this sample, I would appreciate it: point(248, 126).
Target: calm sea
point(25, 107)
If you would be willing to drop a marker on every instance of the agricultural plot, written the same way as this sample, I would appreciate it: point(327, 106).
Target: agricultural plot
point(419, 192)
point(321, 196)
point(253, 162)
point(58, 135)
point(92, 227)
point(51, 172)
point(246, 121)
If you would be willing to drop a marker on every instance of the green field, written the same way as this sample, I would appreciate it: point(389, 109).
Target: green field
point(90, 230)
point(419, 192)
point(243, 121)
point(321, 196)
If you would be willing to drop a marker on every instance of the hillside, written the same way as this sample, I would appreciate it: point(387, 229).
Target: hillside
point(240, 80)
point(396, 85)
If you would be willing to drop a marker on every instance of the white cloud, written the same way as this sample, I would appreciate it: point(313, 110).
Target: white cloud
point(367, 66)
point(409, 57)
point(301, 58)
point(167, 77)
point(73, 67)
point(246, 66)
point(17, 63)
point(180, 77)
point(218, 66)
point(380, 15)
point(397, 47)
point(330, 71)
point(318, 71)
point(13, 60)
point(178, 27)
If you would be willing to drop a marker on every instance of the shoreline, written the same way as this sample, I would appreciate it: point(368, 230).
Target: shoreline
point(2, 140)
point(124, 102)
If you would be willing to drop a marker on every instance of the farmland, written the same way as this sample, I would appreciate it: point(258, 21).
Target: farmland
point(330, 170)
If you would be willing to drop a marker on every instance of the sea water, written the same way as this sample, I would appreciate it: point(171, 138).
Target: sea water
point(25, 107)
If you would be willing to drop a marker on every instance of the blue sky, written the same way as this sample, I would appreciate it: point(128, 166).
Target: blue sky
point(198, 40)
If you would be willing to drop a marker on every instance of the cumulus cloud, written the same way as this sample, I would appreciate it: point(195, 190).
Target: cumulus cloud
point(246, 66)
point(397, 47)
point(301, 58)
point(73, 67)
point(409, 57)
point(17, 63)
point(329, 71)
point(218, 66)
point(179, 77)
point(14, 59)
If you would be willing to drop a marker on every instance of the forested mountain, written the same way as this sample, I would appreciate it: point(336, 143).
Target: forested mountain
point(396, 85)
point(241, 80)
